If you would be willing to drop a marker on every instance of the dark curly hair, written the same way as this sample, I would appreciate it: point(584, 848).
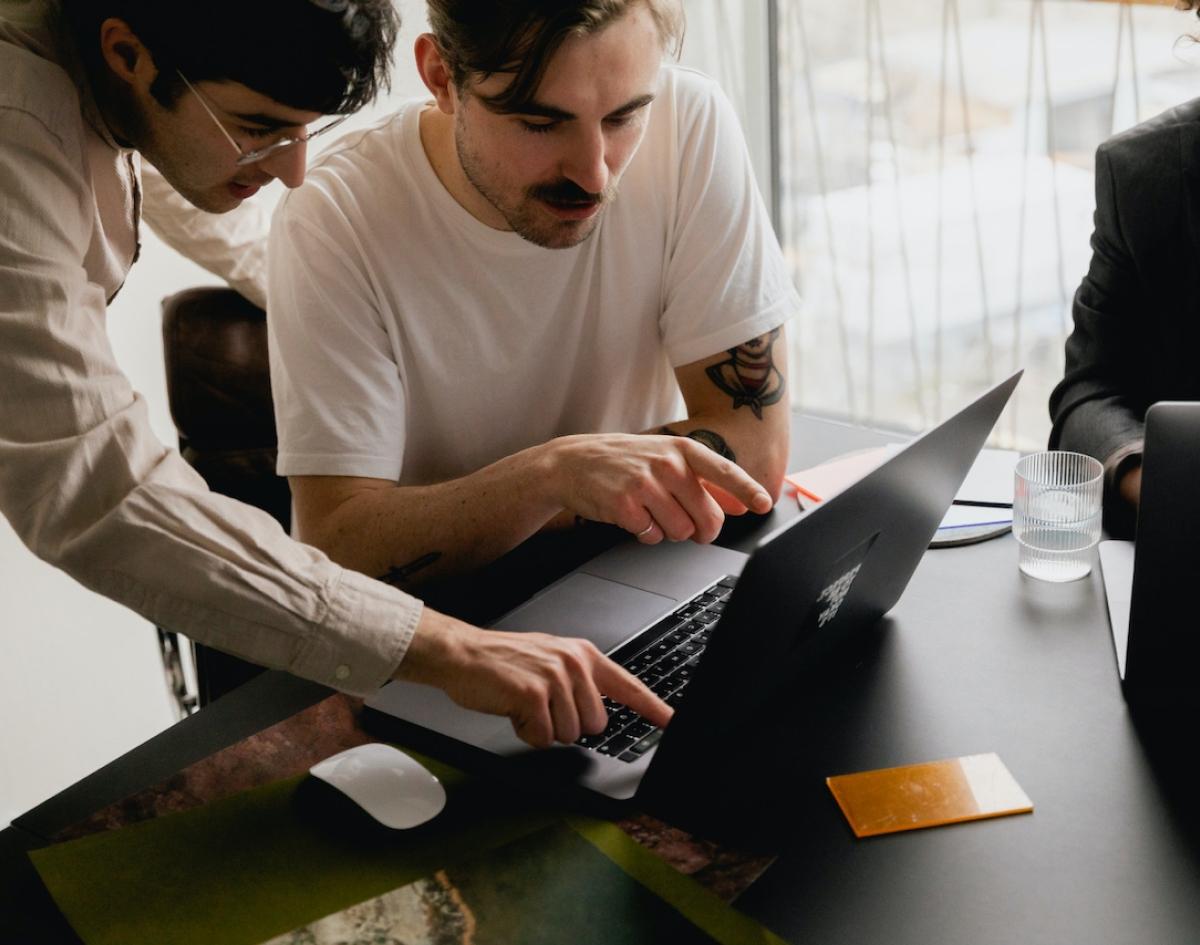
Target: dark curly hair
point(328, 56)
point(521, 36)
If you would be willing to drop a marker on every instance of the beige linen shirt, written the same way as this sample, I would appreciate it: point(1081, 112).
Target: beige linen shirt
point(83, 480)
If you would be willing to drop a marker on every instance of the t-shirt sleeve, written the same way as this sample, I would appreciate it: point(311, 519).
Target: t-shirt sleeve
point(726, 279)
point(338, 389)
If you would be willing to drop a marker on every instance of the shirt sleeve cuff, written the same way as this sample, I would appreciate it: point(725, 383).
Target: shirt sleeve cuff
point(1119, 462)
point(367, 629)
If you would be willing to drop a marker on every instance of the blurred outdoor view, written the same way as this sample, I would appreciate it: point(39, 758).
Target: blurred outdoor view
point(936, 188)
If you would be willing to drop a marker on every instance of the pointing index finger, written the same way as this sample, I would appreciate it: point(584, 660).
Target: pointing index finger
point(728, 476)
point(618, 684)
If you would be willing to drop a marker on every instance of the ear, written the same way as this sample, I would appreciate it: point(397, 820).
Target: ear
point(435, 73)
point(126, 56)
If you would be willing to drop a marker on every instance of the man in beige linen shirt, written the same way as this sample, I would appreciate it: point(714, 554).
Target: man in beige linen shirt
point(220, 97)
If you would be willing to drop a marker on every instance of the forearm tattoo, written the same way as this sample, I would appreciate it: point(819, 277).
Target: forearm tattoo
point(750, 376)
point(714, 441)
point(399, 576)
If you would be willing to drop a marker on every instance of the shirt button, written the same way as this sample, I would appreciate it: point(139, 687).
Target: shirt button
point(342, 672)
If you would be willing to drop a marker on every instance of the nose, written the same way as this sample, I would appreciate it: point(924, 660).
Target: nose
point(287, 164)
point(585, 163)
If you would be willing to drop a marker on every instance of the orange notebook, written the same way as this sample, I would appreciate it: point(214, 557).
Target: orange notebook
point(928, 795)
point(818, 483)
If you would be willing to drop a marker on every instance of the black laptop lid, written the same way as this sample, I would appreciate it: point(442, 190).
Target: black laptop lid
point(817, 584)
point(1164, 639)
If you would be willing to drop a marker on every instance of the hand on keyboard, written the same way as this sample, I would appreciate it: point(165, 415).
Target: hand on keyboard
point(551, 688)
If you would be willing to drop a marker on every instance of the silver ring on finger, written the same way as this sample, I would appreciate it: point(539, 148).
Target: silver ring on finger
point(649, 528)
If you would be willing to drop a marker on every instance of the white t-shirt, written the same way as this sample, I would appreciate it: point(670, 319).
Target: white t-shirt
point(411, 342)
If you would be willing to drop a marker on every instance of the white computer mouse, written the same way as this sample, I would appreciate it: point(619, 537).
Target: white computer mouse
point(395, 789)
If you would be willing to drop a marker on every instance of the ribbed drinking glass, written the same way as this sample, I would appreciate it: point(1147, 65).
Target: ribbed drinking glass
point(1056, 514)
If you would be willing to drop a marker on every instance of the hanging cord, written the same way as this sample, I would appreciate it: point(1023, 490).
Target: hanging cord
point(870, 190)
point(1125, 16)
point(733, 74)
point(906, 264)
point(1133, 66)
point(989, 347)
point(1019, 306)
point(1052, 151)
point(797, 9)
point(938, 239)
point(1037, 29)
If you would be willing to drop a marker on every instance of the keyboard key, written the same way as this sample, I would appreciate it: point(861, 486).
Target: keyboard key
point(663, 688)
point(674, 698)
point(690, 648)
point(672, 659)
point(647, 743)
point(675, 637)
point(592, 741)
point(638, 729)
point(640, 663)
point(730, 581)
point(629, 756)
point(614, 746)
point(663, 627)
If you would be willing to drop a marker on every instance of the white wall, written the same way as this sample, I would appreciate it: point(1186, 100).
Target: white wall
point(80, 677)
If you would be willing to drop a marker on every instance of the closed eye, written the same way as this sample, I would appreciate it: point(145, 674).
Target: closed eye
point(539, 128)
point(259, 132)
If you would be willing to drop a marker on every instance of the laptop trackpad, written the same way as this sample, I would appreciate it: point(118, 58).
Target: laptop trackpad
point(582, 605)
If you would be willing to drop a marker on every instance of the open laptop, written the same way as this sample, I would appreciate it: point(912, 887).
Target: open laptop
point(1151, 594)
point(717, 632)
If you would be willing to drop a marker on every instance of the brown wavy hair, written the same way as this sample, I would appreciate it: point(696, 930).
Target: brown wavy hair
point(521, 36)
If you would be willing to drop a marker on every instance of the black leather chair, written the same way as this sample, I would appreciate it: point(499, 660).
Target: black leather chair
point(219, 389)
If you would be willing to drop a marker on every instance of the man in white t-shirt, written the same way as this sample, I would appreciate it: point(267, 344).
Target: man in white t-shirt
point(480, 306)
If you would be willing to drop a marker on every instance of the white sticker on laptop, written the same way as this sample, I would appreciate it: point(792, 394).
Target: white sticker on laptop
point(838, 584)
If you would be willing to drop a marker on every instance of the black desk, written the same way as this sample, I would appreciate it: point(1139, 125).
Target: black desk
point(974, 658)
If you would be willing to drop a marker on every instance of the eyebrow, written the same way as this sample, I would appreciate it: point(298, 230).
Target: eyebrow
point(540, 110)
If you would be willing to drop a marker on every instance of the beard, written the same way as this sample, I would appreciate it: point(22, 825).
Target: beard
point(527, 215)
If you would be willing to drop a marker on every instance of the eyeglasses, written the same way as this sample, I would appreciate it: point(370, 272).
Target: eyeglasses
point(253, 157)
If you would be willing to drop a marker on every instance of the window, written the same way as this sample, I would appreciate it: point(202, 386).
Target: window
point(935, 188)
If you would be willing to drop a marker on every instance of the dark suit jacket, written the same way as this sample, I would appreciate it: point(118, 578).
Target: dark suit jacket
point(1137, 313)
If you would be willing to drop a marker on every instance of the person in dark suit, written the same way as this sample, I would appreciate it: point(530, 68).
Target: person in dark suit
point(1137, 312)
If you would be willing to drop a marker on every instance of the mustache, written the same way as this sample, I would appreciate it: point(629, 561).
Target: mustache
point(568, 192)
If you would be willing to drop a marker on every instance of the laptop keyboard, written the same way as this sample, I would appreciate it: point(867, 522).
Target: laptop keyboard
point(664, 658)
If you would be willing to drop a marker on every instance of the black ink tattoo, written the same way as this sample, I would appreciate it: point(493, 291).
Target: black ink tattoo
point(714, 441)
point(398, 576)
point(750, 376)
